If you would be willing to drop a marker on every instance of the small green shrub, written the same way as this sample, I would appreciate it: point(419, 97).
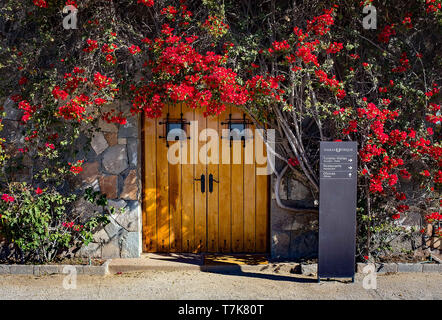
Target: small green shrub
point(37, 222)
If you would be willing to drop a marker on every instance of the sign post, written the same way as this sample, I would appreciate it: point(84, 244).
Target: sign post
point(337, 209)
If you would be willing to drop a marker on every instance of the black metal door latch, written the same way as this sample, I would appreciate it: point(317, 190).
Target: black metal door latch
point(211, 181)
point(203, 183)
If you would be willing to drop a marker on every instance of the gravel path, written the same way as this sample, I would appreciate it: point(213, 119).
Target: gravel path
point(203, 285)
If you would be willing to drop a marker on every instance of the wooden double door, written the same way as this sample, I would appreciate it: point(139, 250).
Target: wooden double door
point(208, 201)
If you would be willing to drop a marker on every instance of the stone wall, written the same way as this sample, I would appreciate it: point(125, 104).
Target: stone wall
point(293, 236)
point(112, 167)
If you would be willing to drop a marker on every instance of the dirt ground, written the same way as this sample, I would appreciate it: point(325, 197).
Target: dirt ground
point(204, 285)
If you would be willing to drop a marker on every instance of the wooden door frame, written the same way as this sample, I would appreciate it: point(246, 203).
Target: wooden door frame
point(143, 204)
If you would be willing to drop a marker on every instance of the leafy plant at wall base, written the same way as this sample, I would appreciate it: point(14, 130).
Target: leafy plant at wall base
point(40, 223)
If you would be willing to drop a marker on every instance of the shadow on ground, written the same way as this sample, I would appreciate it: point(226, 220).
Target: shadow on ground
point(194, 259)
point(233, 270)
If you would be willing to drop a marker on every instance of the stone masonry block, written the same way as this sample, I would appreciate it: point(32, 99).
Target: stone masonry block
point(386, 267)
point(21, 269)
point(432, 267)
point(115, 159)
point(409, 267)
point(4, 269)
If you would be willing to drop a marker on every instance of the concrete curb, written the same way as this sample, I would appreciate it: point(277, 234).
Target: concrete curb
point(44, 270)
point(401, 267)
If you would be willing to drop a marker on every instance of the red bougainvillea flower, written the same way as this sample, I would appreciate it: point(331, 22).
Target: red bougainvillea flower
point(403, 64)
point(323, 77)
point(41, 3)
point(76, 168)
point(305, 53)
point(28, 110)
point(341, 94)
point(71, 3)
point(59, 94)
point(68, 224)
point(433, 91)
point(38, 191)
point(392, 180)
point(7, 198)
point(92, 45)
point(23, 81)
point(108, 48)
point(169, 10)
point(110, 118)
point(101, 81)
point(293, 162)
point(16, 97)
point(401, 196)
point(71, 111)
point(280, 46)
point(215, 26)
point(407, 22)
point(405, 174)
point(320, 24)
point(334, 47)
point(50, 146)
point(100, 101)
point(354, 56)
point(433, 217)
point(301, 35)
point(402, 208)
point(134, 49)
point(111, 59)
point(147, 3)
point(386, 33)
point(425, 173)
point(438, 178)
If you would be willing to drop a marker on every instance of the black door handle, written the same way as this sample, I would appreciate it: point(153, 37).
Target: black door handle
point(203, 183)
point(211, 180)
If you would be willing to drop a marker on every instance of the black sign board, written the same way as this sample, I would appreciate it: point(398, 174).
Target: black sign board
point(337, 209)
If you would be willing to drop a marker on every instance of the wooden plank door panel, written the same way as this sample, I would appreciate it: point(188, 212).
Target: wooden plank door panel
point(175, 181)
point(225, 188)
point(188, 188)
point(200, 197)
point(150, 191)
point(249, 193)
point(237, 182)
point(162, 175)
point(213, 144)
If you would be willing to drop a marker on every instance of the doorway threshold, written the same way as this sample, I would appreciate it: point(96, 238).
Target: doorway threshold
point(188, 262)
